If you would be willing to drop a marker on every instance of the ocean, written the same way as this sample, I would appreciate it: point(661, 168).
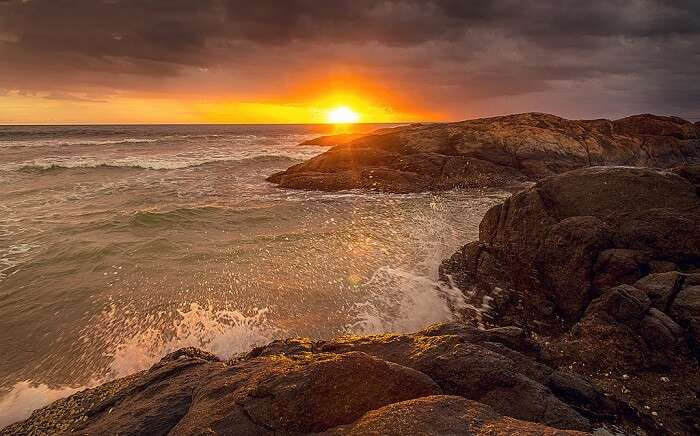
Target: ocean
point(119, 244)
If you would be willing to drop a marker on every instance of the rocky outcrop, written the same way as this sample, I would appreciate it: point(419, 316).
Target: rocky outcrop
point(446, 377)
point(605, 263)
point(491, 152)
point(440, 415)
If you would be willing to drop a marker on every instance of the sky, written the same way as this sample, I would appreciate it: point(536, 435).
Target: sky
point(293, 61)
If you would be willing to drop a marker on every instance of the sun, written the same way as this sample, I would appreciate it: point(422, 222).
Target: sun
point(342, 115)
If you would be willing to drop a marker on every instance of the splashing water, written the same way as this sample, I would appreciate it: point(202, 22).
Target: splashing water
point(122, 251)
point(223, 333)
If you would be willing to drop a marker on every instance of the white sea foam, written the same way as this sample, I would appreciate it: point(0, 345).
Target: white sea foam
point(13, 256)
point(25, 397)
point(170, 161)
point(224, 333)
point(406, 298)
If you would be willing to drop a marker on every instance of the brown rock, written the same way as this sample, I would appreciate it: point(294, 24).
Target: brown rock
point(686, 310)
point(309, 393)
point(618, 266)
point(494, 151)
point(502, 378)
point(568, 238)
point(660, 287)
point(442, 415)
point(623, 303)
point(659, 330)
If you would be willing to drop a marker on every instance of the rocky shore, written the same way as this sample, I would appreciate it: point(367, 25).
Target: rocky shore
point(588, 285)
point(490, 152)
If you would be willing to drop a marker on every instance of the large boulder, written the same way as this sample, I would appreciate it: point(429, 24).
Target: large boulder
point(440, 415)
point(602, 263)
point(561, 243)
point(302, 394)
point(490, 152)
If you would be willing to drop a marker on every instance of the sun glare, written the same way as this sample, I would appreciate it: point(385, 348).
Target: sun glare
point(342, 115)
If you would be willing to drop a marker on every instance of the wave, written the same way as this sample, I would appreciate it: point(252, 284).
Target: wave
point(26, 396)
point(78, 142)
point(136, 343)
point(48, 140)
point(145, 164)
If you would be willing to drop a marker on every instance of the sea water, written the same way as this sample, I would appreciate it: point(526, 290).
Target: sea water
point(119, 244)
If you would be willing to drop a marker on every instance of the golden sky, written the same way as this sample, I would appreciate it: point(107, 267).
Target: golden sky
point(18, 108)
point(292, 61)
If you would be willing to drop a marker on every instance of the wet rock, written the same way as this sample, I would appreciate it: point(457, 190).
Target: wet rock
point(304, 394)
point(502, 378)
point(570, 237)
point(441, 415)
point(602, 265)
point(151, 402)
point(287, 347)
point(510, 336)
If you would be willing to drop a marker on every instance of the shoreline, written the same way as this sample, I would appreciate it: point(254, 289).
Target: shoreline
point(549, 359)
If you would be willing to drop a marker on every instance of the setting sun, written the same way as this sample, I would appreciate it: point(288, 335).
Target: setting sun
point(342, 115)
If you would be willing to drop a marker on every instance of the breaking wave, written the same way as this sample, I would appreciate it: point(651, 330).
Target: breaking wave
point(135, 343)
point(145, 164)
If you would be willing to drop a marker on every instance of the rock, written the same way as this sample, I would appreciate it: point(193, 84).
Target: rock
point(623, 303)
point(566, 240)
point(151, 402)
point(441, 415)
point(569, 277)
point(504, 379)
point(278, 394)
point(603, 265)
point(289, 347)
point(332, 140)
point(510, 336)
point(660, 287)
point(618, 266)
point(686, 310)
point(659, 330)
point(490, 152)
point(690, 173)
point(655, 125)
point(661, 266)
point(575, 389)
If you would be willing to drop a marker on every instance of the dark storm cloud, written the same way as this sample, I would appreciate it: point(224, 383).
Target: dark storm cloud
point(642, 52)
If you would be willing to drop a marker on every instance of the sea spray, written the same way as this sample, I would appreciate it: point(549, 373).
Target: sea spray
point(224, 333)
point(119, 254)
point(408, 297)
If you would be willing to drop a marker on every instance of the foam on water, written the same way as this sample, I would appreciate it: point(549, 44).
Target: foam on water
point(407, 298)
point(25, 397)
point(224, 333)
point(161, 162)
point(135, 343)
point(217, 235)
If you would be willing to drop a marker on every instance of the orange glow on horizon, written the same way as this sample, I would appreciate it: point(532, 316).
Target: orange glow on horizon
point(315, 102)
